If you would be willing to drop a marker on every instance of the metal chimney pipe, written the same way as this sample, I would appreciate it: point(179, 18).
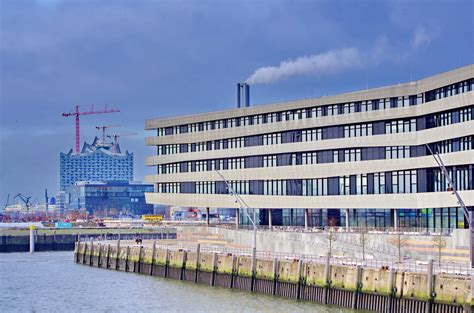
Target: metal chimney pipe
point(247, 95)
point(238, 96)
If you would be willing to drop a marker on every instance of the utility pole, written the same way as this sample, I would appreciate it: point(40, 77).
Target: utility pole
point(466, 212)
point(242, 205)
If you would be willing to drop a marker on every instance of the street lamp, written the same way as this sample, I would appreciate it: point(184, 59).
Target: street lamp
point(242, 203)
point(466, 212)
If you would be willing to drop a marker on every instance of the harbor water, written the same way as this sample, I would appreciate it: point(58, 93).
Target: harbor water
point(52, 282)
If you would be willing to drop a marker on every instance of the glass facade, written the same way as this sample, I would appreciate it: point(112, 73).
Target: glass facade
point(431, 218)
point(109, 199)
point(96, 162)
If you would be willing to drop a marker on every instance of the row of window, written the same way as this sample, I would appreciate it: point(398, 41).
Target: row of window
point(326, 110)
point(329, 132)
point(432, 218)
point(318, 157)
point(393, 182)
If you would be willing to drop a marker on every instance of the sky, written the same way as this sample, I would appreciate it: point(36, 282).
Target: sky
point(154, 59)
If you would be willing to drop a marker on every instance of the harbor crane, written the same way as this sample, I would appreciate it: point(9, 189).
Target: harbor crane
point(91, 111)
point(25, 199)
point(8, 199)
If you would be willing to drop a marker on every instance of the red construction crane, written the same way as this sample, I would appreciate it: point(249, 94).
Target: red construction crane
point(76, 113)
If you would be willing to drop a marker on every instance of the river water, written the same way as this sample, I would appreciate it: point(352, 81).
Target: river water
point(52, 282)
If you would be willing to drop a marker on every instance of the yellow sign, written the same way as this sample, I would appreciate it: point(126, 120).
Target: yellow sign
point(32, 227)
point(152, 218)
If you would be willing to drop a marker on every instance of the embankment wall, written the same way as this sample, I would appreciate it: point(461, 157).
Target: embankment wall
point(381, 290)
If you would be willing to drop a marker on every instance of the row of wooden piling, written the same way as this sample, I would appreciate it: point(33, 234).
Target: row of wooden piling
point(232, 271)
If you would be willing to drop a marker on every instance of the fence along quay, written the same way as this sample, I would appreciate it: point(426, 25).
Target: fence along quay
point(351, 286)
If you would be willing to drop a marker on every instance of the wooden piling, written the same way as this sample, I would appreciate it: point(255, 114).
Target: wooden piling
point(153, 251)
point(90, 255)
point(327, 272)
point(183, 265)
point(198, 262)
point(214, 268)
point(234, 271)
point(355, 294)
point(167, 263)
point(117, 256)
point(107, 263)
point(275, 275)
point(429, 286)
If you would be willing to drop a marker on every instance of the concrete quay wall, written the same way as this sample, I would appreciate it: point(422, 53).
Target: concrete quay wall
point(353, 287)
point(52, 241)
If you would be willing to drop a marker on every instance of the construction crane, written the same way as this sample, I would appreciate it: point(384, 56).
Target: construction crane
point(117, 136)
point(103, 128)
point(46, 199)
point(92, 110)
point(8, 199)
point(25, 199)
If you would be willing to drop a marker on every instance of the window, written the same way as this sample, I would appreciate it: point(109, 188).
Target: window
point(344, 185)
point(274, 187)
point(271, 139)
point(309, 158)
point(312, 134)
point(270, 161)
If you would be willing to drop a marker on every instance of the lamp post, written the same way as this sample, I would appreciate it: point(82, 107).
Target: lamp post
point(466, 212)
point(242, 203)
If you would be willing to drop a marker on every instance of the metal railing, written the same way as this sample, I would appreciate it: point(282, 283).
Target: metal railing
point(404, 265)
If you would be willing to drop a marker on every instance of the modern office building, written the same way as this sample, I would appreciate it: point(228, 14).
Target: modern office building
point(358, 159)
point(99, 161)
point(110, 198)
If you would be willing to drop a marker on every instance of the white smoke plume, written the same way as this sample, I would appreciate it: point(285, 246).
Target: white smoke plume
point(327, 62)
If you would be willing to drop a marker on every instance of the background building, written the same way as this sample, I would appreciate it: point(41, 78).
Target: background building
point(109, 199)
point(357, 159)
point(99, 161)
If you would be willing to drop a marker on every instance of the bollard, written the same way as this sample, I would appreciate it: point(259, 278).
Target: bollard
point(32, 239)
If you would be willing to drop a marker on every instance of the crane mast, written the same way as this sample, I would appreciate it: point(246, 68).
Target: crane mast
point(76, 113)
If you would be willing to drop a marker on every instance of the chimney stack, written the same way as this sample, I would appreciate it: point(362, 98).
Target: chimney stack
point(247, 95)
point(243, 95)
point(239, 86)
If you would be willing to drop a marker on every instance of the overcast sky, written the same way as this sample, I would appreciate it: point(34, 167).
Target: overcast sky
point(163, 58)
